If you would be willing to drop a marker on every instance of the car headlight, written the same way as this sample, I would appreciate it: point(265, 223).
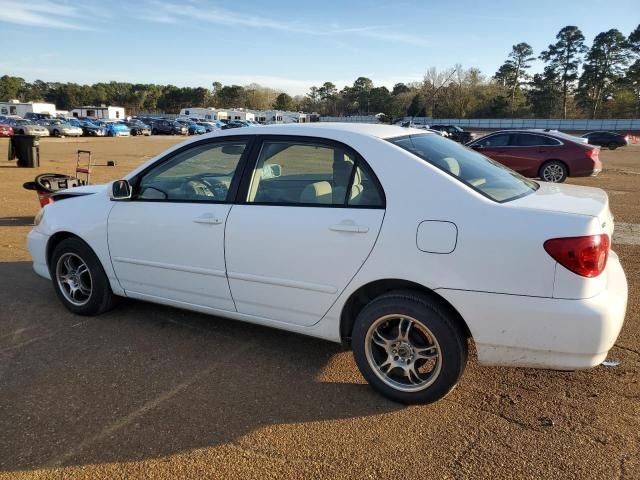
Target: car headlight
point(39, 216)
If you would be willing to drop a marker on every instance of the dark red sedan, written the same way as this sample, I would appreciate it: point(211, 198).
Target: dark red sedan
point(6, 130)
point(548, 155)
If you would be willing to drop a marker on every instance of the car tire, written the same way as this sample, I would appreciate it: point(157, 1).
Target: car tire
point(134, 132)
point(409, 348)
point(21, 132)
point(612, 146)
point(553, 171)
point(56, 132)
point(79, 279)
point(154, 131)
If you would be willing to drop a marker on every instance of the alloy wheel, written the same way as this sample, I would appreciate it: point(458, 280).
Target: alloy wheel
point(553, 173)
point(403, 353)
point(74, 279)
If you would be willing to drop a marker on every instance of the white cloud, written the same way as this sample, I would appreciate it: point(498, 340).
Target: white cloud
point(41, 13)
point(169, 12)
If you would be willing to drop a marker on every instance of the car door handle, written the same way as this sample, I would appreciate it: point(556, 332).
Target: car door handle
point(208, 219)
point(342, 227)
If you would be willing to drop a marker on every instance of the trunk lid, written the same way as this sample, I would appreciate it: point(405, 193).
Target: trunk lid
point(572, 199)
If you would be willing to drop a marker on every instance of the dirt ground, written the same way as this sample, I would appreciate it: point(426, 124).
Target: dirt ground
point(147, 391)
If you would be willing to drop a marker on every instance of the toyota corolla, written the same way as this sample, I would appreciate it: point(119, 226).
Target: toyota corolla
point(397, 242)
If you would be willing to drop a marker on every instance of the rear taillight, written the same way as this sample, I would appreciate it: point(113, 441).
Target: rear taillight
point(586, 256)
point(593, 154)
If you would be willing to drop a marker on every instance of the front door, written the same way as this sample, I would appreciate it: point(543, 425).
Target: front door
point(309, 217)
point(167, 242)
point(497, 147)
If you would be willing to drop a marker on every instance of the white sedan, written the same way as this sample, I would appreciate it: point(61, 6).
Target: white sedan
point(395, 241)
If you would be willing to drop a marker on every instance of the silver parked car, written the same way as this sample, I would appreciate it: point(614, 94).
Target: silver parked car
point(59, 128)
point(26, 127)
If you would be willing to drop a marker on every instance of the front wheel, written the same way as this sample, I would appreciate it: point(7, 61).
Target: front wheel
point(79, 279)
point(613, 146)
point(408, 347)
point(554, 171)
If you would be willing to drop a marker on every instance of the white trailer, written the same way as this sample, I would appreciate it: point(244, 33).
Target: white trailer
point(103, 112)
point(20, 109)
point(240, 115)
point(206, 114)
point(269, 117)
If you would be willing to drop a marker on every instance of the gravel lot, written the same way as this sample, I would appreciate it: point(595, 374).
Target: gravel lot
point(150, 391)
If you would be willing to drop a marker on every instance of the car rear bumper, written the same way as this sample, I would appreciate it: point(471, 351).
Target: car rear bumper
point(519, 331)
point(37, 245)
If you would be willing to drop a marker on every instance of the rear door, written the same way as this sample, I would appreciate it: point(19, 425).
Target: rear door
point(531, 151)
point(308, 214)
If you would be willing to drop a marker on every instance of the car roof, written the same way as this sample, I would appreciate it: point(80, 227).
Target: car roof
point(329, 128)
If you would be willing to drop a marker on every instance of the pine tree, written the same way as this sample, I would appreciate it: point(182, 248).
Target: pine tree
point(564, 58)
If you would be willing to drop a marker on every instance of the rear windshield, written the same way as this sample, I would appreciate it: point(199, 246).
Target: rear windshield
point(473, 169)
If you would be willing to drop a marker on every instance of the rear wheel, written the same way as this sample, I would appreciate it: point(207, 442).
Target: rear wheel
point(554, 171)
point(56, 132)
point(408, 347)
point(134, 132)
point(79, 279)
point(612, 146)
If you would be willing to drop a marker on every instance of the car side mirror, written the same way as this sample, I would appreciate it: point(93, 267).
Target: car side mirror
point(272, 170)
point(120, 190)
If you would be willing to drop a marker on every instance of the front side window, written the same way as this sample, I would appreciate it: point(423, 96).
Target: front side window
point(499, 140)
point(201, 173)
point(301, 173)
point(473, 169)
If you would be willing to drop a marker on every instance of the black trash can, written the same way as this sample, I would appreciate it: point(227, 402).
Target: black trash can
point(26, 148)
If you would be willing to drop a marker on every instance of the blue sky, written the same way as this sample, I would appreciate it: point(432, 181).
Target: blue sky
point(289, 45)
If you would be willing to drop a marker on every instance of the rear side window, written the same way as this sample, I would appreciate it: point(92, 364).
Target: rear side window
point(312, 174)
point(484, 175)
point(530, 140)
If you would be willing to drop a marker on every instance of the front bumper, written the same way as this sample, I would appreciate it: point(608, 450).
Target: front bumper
point(519, 331)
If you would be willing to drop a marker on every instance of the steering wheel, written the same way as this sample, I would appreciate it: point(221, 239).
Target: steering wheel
point(195, 186)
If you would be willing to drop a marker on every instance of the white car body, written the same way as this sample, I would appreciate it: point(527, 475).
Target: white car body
point(296, 268)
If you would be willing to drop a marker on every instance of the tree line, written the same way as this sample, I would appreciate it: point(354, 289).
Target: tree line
point(578, 81)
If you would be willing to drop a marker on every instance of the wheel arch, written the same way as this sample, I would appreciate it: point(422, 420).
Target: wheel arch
point(364, 294)
point(58, 237)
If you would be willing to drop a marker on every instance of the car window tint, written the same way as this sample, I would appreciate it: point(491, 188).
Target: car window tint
point(201, 173)
point(470, 167)
point(365, 191)
point(298, 173)
point(501, 140)
point(549, 141)
point(530, 140)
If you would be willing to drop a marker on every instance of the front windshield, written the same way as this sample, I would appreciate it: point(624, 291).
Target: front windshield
point(473, 169)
